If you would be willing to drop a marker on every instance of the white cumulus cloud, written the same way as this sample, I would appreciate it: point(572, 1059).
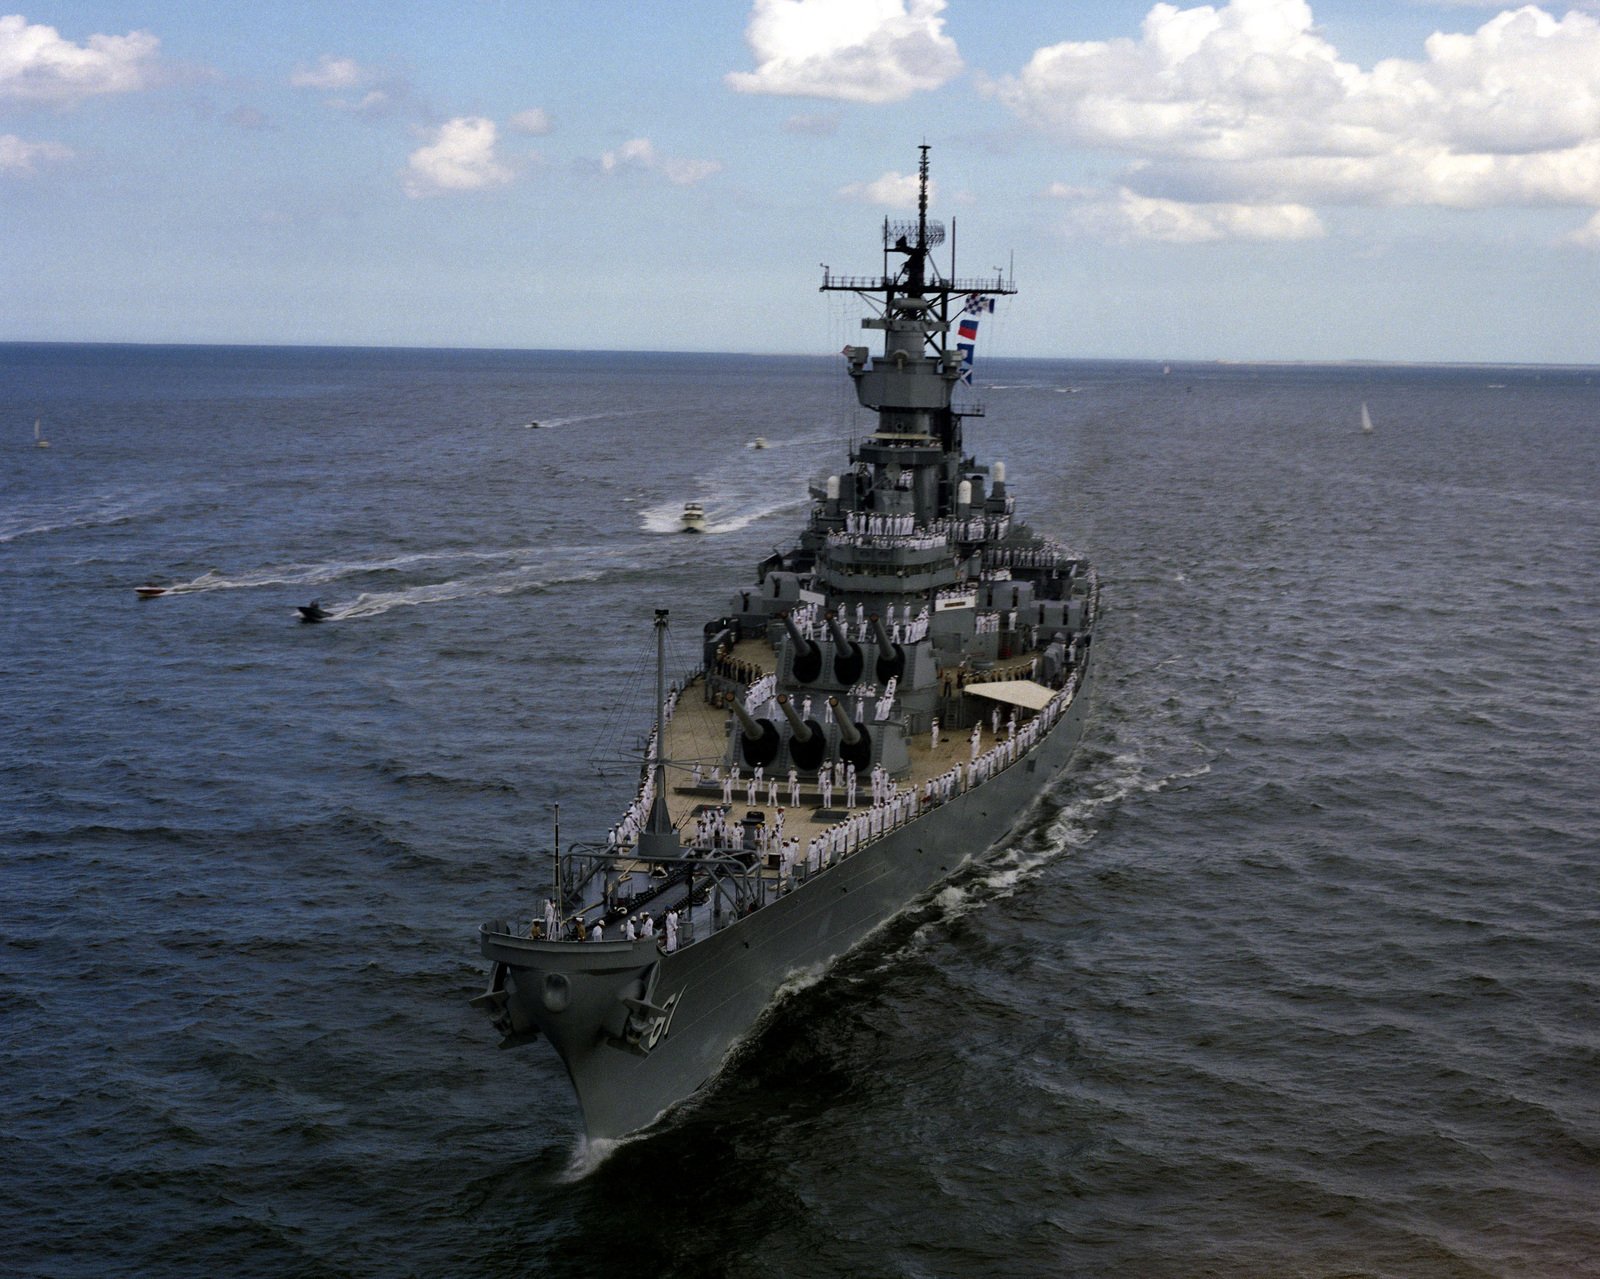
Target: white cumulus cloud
point(461, 157)
point(852, 50)
point(1588, 235)
point(330, 73)
point(20, 156)
point(1125, 215)
point(358, 90)
point(535, 122)
point(892, 190)
point(38, 66)
point(1249, 104)
point(640, 154)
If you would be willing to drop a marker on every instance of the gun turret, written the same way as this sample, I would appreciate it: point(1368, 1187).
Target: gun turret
point(891, 663)
point(802, 733)
point(807, 663)
point(855, 743)
point(847, 659)
point(758, 738)
point(807, 745)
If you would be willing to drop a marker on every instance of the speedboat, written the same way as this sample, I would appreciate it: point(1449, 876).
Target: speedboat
point(149, 592)
point(312, 612)
point(694, 518)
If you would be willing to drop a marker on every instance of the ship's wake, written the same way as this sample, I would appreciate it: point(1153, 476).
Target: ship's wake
point(724, 513)
point(578, 419)
point(1016, 863)
point(320, 574)
point(93, 511)
point(485, 585)
point(480, 573)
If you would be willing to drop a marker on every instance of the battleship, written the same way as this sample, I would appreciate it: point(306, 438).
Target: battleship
point(883, 702)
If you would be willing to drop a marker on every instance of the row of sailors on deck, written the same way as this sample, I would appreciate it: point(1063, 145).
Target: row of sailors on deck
point(626, 832)
point(904, 542)
point(634, 927)
point(903, 627)
point(978, 529)
point(842, 774)
point(870, 525)
point(1048, 556)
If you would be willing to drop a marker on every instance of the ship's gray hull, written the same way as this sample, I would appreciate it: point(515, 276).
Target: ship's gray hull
point(707, 996)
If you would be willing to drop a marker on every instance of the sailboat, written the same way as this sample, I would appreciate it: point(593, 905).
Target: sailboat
point(1366, 419)
point(39, 442)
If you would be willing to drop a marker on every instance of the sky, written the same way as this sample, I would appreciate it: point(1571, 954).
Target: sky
point(1251, 180)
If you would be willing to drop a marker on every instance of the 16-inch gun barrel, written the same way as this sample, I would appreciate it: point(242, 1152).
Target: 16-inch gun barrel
point(802, 731)
point(849, 734)
point(847, 660)
point(748, 724)
point(807, 664)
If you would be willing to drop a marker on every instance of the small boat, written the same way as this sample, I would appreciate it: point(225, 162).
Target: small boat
point(39, 442)
point(149, 592)
point(760, 442)
point(530, 426)
point(694, 518)
point(312, 612)
point(1366, 419)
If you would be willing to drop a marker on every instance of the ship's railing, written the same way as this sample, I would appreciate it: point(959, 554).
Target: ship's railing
point(930, 288)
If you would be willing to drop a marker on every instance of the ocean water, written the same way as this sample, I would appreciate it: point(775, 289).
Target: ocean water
point(1294, 972)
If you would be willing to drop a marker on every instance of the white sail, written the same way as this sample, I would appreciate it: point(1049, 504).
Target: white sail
point(1366, 419)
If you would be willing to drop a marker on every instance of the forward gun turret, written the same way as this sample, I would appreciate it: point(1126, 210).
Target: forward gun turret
point(855, 743)
point(847, 659)
point(758, 738)
point(807, 745)
point(807, 664)
point(891, 663)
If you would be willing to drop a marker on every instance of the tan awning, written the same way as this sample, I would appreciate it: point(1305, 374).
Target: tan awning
point(1026, 693)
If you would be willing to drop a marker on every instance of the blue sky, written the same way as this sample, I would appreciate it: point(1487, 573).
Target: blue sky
point(1255, 180)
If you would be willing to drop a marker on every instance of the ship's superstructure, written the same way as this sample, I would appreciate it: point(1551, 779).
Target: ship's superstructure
point(884, 701)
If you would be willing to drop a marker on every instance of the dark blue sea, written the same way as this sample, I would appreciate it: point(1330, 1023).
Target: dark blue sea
point(1294, 972)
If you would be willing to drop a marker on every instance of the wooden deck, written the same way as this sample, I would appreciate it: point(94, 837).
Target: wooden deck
point(698, 733)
